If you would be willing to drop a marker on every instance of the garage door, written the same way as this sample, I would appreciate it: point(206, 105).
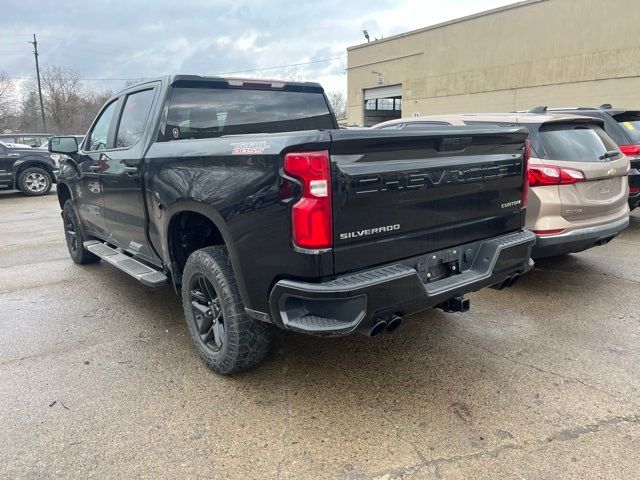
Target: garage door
point(383, 92)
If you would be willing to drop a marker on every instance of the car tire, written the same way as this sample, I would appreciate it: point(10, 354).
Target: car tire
point(226, 338)
point(75, 236)
point(34, 181)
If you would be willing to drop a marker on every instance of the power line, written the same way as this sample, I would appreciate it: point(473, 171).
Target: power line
point(281, 66)
point(212, 74)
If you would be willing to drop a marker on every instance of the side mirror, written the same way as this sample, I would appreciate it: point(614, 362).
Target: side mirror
point(64, 145)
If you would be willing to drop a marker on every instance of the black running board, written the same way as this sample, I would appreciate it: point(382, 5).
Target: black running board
point(138, 270)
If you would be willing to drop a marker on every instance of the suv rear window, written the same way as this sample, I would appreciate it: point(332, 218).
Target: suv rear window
point(575, 142)
point(212, 112)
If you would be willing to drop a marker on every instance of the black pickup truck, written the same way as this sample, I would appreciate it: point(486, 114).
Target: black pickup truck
point(246, 196)
point(30, 170)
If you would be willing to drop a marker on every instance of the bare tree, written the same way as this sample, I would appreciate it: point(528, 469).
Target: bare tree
point(90, 105)
point(338, 103)
point(62, 93)
point(29, 117)
point(7, 101)
point(289, 75)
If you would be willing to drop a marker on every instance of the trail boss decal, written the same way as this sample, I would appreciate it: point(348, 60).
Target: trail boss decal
point(249, 148)
point(369, 231)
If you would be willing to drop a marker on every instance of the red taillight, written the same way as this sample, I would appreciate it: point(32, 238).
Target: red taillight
point(525, 167)
point(634, 189)
point(630, 150)
point(311, 215)
point(540, 175)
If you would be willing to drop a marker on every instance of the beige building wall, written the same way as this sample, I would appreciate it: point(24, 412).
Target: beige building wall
point(537, 52)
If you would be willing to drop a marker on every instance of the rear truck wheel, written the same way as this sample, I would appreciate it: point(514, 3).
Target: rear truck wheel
point(34, 181)
point(226, 338)
point(75, 236)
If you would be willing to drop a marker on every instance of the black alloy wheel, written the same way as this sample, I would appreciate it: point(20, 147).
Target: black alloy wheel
point(207, 313)
point(70, 232)
point(75, 236)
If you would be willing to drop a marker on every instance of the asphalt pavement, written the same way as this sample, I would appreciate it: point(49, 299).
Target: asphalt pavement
point(98, 378)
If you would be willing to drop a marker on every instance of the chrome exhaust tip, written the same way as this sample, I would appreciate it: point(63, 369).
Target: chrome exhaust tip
point(393, 323)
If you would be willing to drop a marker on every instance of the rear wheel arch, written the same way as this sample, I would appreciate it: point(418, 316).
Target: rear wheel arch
point(194, 227)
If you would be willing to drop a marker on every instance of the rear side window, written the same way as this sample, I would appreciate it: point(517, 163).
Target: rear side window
point(575, 142)
point(134, 117)
point(630, 123)
point(212, 112)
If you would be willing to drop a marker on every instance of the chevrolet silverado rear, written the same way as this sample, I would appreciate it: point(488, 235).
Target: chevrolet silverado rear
point(411, 220)
point(246, 196)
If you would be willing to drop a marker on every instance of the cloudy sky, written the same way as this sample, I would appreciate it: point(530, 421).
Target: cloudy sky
point(108, 42)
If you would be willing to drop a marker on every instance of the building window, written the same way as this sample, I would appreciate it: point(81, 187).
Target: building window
point(383, 104)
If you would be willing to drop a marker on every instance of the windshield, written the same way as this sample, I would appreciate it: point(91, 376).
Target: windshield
point(212, 112)
point(576, 142)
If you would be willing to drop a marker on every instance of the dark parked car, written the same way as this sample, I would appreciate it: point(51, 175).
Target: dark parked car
point(623, 126)
point(30, 170)
point(246, 196)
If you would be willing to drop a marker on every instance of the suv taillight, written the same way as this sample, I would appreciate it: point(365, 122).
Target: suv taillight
point(630, 150)
point(311, 220)
point(541, 175)
point(525, 166)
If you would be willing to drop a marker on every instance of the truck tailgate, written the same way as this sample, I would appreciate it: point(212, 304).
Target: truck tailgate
point(398, 194)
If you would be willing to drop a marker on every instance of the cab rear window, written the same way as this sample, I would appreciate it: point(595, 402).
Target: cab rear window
point(575, 142)
point(213, 112)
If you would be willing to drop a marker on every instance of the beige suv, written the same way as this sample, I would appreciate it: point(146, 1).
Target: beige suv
point(578, 187)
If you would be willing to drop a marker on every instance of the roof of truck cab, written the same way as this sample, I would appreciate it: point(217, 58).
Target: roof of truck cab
point(171, 79)
point(459, 119)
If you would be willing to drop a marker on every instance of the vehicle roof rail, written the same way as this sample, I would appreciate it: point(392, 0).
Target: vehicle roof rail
point(540, 109)
point(605, 106)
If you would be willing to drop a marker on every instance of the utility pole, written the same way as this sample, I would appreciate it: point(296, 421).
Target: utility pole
point(35, 52)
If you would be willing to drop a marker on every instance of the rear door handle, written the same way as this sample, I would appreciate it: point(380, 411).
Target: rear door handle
point(95, 168)
point(130, 170)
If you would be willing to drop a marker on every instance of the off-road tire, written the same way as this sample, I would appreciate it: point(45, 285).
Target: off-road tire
point(246, 341)
point(27, 179)
point(73, 227)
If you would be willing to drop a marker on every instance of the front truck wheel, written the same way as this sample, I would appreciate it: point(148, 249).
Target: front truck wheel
point(75, 236)
point(225, 337)
point(34, 181)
